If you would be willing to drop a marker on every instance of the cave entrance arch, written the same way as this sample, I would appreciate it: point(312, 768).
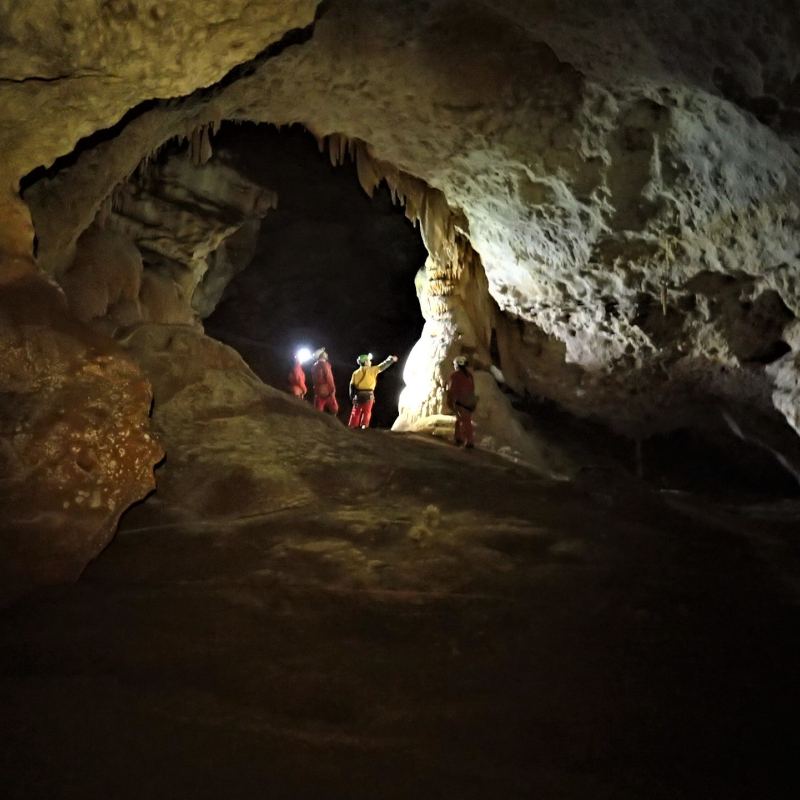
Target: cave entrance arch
point(332, 266)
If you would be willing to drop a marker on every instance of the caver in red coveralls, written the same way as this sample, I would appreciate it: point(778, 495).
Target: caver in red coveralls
point(297, 381)
point(324, 387)
point(461, 384)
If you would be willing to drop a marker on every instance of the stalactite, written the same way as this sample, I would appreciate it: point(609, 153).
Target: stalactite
point(205, 145)
point(104, 212)
point(423, 205)
point(117, 199)
point(333, 148)
point(194, 145)
point(337, 145)
point(368, 176)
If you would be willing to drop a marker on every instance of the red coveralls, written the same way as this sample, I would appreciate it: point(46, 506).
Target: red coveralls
point(297, 381)
point(324, 388)
point(361, 414)
point(461, 384)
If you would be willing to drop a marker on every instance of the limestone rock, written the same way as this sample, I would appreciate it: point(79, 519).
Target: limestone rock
point(104, 278)
point(624, 176)
point(76, 447)
point(68, 71)
point(166, 246)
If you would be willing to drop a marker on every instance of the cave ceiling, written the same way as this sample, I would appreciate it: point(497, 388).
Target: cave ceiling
point(605, 160)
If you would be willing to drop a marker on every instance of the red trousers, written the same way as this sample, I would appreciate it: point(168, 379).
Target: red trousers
point(296, 391)
point(463, 425)
point(361, 414)
point(326, 403)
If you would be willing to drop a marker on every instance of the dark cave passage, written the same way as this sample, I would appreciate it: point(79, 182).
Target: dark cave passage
point(332, 267)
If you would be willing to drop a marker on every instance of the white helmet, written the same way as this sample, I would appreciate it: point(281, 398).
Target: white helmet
point(460, 361)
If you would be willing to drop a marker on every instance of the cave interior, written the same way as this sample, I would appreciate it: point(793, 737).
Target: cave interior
point(210, 589)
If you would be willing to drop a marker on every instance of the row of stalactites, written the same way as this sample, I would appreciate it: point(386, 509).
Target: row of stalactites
point(422, 203)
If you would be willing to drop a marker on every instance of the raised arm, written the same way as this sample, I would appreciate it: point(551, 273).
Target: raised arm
point(386, 363)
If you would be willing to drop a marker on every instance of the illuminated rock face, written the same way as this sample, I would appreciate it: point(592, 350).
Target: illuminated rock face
point(77, 447)
point(66, 72)
point(600, 161)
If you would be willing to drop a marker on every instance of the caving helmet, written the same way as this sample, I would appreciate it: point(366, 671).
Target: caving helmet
point(363, 358)
point(460, 361)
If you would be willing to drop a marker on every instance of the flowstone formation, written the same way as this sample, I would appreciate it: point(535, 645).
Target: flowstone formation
point(610, 194)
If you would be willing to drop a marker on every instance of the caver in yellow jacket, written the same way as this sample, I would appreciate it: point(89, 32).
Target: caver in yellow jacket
point(366, 378)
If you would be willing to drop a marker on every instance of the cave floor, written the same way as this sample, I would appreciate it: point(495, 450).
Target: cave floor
point(490, 635)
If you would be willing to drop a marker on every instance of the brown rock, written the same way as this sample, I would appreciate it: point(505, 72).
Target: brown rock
point(75, 442)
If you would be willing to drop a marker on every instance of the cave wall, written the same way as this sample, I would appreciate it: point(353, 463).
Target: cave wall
point(76, 442)
point(594, 196)
point(602, 160)
point(68, 71)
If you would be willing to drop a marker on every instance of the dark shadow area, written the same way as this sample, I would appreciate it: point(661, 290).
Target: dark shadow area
point(688, 461)
point(332, 268)
point(714, 463)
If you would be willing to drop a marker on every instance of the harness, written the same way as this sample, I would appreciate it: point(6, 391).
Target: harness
point(363, 396)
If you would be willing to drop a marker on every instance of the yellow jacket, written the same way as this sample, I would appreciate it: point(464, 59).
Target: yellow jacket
point(365, 378)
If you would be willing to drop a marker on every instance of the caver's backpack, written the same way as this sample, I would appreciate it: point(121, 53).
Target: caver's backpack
point(469, 401)
point(318, 375)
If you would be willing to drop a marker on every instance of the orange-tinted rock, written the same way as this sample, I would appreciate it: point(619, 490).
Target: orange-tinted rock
point(75, 442)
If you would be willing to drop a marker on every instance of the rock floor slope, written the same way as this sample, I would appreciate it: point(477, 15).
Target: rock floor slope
point(460, 630)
